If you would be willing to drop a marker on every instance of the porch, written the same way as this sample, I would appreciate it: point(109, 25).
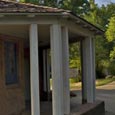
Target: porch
point(34, 83)
point(35, 47)
point(76, 108)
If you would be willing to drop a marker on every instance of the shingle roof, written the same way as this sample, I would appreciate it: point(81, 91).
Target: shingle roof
point(14, 7)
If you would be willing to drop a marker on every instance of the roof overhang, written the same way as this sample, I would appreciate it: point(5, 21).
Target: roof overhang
point(65, 15)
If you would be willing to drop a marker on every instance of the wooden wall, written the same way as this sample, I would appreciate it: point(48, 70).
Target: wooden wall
point(12, 99)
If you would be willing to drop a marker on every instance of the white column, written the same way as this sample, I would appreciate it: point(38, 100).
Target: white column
point(84, 78)
point(57, 75)
point(88, 69)
point(65, 56)
point(34, 70)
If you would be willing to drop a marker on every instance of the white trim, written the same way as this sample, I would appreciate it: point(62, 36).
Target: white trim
point(27, 20)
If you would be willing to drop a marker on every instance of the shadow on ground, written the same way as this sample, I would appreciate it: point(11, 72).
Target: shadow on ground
point(106, 95)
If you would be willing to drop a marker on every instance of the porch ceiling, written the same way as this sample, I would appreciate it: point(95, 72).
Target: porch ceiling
point(22, 32)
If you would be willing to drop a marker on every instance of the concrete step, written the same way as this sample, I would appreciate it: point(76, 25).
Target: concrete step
point(109, 113)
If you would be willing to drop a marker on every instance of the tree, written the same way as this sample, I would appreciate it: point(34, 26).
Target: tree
point(79, 7)
point(74, 57)
point(76, 6)
point(96, 15)
point(110, 34)
point(105, 14)
point(102, 56)
point(100, 16)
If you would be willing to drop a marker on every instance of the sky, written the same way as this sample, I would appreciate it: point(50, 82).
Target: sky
point(100, 2)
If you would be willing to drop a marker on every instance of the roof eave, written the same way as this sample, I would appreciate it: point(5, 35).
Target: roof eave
point(77, 19)
point(86, 24)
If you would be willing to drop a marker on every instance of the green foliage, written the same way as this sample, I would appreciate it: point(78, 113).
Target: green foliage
point(102, 56)
point(30, 1)
point(100, 82)
point(112, 54)
point(75, 55)
point(101, 68)
point(90, 16)
point(111, 67)
point(78, 7)
point(102, 48)
point(100, 16)
point(110, 33)
point(75, 79)
point(52, 3)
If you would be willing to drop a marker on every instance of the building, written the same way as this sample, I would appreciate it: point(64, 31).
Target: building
point(27, 32)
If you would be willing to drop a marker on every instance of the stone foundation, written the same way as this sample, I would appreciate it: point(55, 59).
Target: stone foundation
point(97, 108)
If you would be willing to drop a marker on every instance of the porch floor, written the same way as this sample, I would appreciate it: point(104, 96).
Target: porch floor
point(76, 108)
point(46, 108)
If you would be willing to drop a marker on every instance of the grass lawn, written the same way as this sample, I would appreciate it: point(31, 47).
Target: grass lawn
point(77, 85)
point(99, 82)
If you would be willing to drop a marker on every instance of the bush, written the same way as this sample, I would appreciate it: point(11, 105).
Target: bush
point(75, 79)
point(100, 73)
point(112, 68)
point(108, 76)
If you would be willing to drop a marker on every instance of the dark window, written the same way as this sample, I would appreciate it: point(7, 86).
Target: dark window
point(11, 62)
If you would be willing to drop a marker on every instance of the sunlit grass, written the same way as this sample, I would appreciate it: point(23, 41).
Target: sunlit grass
point(99, 82)
point(77, 85)
point(105, 81)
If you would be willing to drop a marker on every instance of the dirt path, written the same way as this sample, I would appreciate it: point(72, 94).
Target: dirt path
point(109, 86)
